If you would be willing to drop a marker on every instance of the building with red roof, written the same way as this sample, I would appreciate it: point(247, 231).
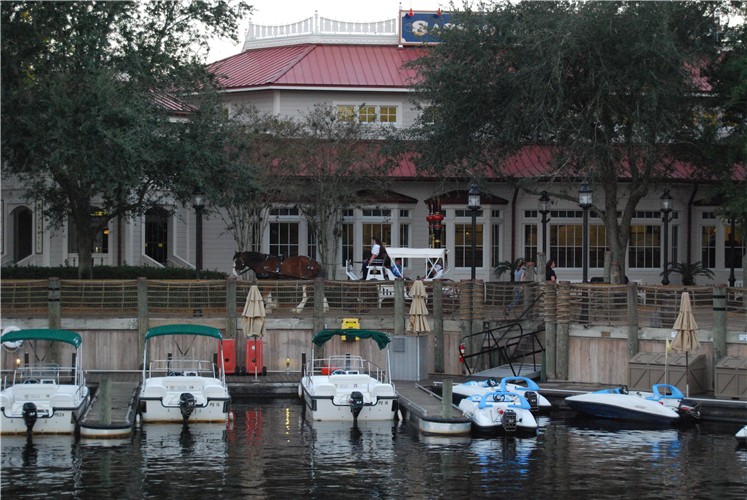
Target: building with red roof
point(287, 70)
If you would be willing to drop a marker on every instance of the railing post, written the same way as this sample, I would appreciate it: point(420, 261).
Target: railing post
point(719, 325)
point(54, 307)
point(231, 305)
point(399, 307)
point(564, 327)
point(318, 304)
point(53, 304)
point(438, 327)
point(142, 313)
point(551, 331)
point(231, 315)
point(632, 319)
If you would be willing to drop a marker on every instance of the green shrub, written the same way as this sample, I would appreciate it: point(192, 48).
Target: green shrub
point(107, 272)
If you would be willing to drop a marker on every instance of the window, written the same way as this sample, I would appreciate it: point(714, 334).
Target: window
point(708, 246)
point(495, 244)
point(644, 250)
point(566, 245)
point(738, 247)
point(156, 234)
point(100, 242)
point(284, 238)
point(404, 235)
point(348, 243)
point(367, 113)
point(463, 245)
point(530, 243)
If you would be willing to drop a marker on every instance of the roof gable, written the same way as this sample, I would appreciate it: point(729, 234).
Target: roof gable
point(314, 65)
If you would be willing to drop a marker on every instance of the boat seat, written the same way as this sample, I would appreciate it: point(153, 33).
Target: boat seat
point(62, 401)
point(213, 391)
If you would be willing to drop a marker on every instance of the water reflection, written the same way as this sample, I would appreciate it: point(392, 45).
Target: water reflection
point(271, 451)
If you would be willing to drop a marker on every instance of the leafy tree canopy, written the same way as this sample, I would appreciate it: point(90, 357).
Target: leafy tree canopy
point(610, 90)
point(90, 93)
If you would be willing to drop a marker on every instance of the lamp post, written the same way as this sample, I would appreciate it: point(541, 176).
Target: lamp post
point(665, 204)
point(732, 228)
point(198, 202)
point(584, 201)
point(473, 203)
point(544, 209)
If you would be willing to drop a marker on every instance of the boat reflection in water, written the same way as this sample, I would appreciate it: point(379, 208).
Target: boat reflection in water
point(334, 443)
point(206, 441)
point(43, 451)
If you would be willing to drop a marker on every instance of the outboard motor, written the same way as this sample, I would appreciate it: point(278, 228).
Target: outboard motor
point(186, 404)
point(533, 400)
point(689, 409)
point(29, 415)
point(356, 404)
point(508, 421)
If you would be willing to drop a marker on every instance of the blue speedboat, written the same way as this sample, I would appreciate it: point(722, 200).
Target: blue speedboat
point(522, 385)
point(505, 411)
point(664, 405)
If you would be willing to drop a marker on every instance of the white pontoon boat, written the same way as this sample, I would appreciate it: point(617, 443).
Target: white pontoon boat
point(345, 387)
point(44, 398)
point(183, 388)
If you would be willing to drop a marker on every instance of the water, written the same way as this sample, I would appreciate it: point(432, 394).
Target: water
point(270, 451)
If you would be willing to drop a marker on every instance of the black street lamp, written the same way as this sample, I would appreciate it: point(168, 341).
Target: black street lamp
point(732, 228)
point(473, 203)
point(198, 202)
point(665, 204)
point(584, 201)
point(544, 209)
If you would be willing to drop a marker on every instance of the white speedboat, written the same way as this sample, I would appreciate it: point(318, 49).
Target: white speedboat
point(188, 387)
point(345, 387)
point(44, 398)
point(664, 405)
point(505, 411)
point(741, 435)
point(522, 385)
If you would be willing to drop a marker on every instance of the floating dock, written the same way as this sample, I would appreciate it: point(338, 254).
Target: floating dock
point(111, 414)
point(427, 411)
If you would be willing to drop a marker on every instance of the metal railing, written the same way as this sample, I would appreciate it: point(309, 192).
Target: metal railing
point(590, 304)
point(506, 345)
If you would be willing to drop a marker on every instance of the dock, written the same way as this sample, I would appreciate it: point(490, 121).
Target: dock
point(111, 414)
point(420, 401)
point(427, 411)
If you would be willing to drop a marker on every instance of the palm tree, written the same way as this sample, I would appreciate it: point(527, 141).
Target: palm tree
point(689, 271)
point(507, 267)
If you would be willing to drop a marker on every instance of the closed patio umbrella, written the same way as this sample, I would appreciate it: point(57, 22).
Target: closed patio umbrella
point(418, 320)
point(254, 317)
point(686, 340)
point(254, 313)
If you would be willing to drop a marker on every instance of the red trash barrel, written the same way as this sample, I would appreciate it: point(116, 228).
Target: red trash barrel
point(229, 356)
point(255, 363)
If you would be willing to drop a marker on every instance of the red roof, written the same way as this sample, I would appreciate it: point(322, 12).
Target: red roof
point(312, 65)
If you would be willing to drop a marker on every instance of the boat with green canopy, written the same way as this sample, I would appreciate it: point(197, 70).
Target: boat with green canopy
point(344, 386)
point(181, 383)
point(43, 396)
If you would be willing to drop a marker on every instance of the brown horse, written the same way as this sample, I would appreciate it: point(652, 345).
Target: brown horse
point(274, 266)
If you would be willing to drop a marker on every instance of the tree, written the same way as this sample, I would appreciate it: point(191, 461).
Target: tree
point(332, 160)
point(245, 183)
point(84, 89)
point(609, 90)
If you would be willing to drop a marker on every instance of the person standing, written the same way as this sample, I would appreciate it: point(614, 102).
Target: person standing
point(375, 251)
point(519, 277)
point(550, 276)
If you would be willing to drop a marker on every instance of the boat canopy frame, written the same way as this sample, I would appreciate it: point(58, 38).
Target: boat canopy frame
point(184, 329)
point(66, 336)
point(382, 339)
